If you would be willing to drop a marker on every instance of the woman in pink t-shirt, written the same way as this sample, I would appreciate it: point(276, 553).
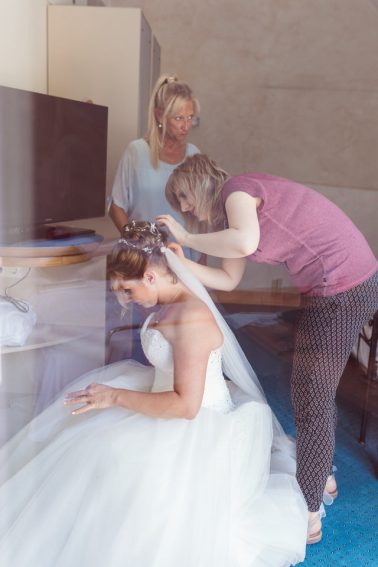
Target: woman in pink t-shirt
point(269, 219)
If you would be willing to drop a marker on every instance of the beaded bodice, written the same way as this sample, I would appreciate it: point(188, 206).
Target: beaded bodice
point(159, 352)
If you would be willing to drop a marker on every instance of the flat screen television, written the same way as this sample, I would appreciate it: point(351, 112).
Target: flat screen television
point(52, 162)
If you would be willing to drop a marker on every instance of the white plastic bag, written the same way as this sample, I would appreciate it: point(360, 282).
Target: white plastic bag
point(15, 325)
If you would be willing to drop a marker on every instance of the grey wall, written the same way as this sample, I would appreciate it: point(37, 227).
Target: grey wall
point(286, 86)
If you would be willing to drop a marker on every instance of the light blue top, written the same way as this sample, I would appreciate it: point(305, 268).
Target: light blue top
point(138, 188)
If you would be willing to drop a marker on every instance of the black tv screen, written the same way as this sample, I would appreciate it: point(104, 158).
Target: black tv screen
point(52, 160)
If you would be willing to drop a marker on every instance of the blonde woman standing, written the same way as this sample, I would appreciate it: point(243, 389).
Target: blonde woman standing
point(144, 169)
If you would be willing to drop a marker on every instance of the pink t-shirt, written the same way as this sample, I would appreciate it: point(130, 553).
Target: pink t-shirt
point(322, 249)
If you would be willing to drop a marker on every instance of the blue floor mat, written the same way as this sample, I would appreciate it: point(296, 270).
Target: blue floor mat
point(350, 529)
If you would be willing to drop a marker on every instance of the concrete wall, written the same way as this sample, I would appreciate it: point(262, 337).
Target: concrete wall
point(286, 86)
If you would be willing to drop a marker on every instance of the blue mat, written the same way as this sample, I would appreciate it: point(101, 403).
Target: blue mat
point(350, 529)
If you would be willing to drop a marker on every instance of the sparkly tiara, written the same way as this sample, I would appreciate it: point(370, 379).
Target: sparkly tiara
point(133, 227)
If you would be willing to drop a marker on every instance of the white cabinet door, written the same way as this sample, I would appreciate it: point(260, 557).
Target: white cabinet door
point(104, 54)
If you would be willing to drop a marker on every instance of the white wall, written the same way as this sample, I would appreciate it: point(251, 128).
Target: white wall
point(23, 43)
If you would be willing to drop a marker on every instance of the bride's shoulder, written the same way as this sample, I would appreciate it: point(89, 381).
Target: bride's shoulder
point(193, 309)
point(194, 317)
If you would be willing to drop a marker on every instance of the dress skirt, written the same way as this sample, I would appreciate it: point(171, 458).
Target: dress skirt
point(113, 488)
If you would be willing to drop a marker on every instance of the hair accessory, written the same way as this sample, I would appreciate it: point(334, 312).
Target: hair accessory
point(130, 244)
point(155, 231)
point(128, 227)
point(134, 227)
point(170, 79)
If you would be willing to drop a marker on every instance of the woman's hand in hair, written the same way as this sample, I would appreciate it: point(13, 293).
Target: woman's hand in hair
point(179, 252)
point(175, 228)
point(177, 249)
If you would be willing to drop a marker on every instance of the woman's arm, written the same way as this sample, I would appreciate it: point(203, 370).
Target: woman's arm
point(123, 186)
point(118, 216)
point(240, 239)
point(224, 278)
point(192, 340)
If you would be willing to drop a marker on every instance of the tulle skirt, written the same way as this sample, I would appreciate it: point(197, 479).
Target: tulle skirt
point(117, 489)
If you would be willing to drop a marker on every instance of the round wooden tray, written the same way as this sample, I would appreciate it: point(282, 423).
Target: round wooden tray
point(42, 253)
point(43, 261)
point(47, 251)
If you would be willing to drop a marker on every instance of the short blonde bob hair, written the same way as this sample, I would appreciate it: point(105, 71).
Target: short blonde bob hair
point(200, 178)
point(168, 96)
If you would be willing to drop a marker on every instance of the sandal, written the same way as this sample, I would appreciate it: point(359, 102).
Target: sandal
point(314, 530)
point(331, 487)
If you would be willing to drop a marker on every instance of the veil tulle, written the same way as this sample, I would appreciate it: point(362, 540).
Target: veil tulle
point(236, 365)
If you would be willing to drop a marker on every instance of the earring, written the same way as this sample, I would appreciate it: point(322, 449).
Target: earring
point(160, 125)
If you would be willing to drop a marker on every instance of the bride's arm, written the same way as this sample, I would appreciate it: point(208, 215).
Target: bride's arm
point(192, 341)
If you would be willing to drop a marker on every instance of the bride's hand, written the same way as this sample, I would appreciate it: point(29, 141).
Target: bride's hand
point(175, 228)
point(95, 396)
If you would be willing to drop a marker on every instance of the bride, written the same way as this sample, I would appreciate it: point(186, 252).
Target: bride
point(156, 466)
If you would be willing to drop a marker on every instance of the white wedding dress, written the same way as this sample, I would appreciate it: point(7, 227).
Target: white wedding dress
point(113, 488)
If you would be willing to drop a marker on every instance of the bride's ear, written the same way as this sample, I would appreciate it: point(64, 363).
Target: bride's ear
point(150, 277)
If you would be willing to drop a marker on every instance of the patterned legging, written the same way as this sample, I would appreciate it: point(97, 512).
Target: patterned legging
point(327, 331)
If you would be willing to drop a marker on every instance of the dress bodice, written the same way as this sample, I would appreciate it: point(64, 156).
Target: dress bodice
point(159, 352)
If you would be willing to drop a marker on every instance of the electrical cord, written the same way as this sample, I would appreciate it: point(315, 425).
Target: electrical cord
point(20, 304)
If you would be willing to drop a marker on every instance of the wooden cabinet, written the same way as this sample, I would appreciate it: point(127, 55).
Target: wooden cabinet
point(110, 56)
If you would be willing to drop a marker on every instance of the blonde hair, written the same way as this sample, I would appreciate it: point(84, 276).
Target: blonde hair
point(168, 96)
point(199, 177)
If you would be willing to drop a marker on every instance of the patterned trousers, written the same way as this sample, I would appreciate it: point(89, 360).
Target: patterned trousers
point(327, 331)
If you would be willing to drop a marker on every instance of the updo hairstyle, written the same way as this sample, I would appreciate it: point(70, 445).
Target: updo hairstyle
point(140, 247)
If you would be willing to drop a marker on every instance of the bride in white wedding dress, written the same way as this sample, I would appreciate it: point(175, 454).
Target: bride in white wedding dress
point(162, 466)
